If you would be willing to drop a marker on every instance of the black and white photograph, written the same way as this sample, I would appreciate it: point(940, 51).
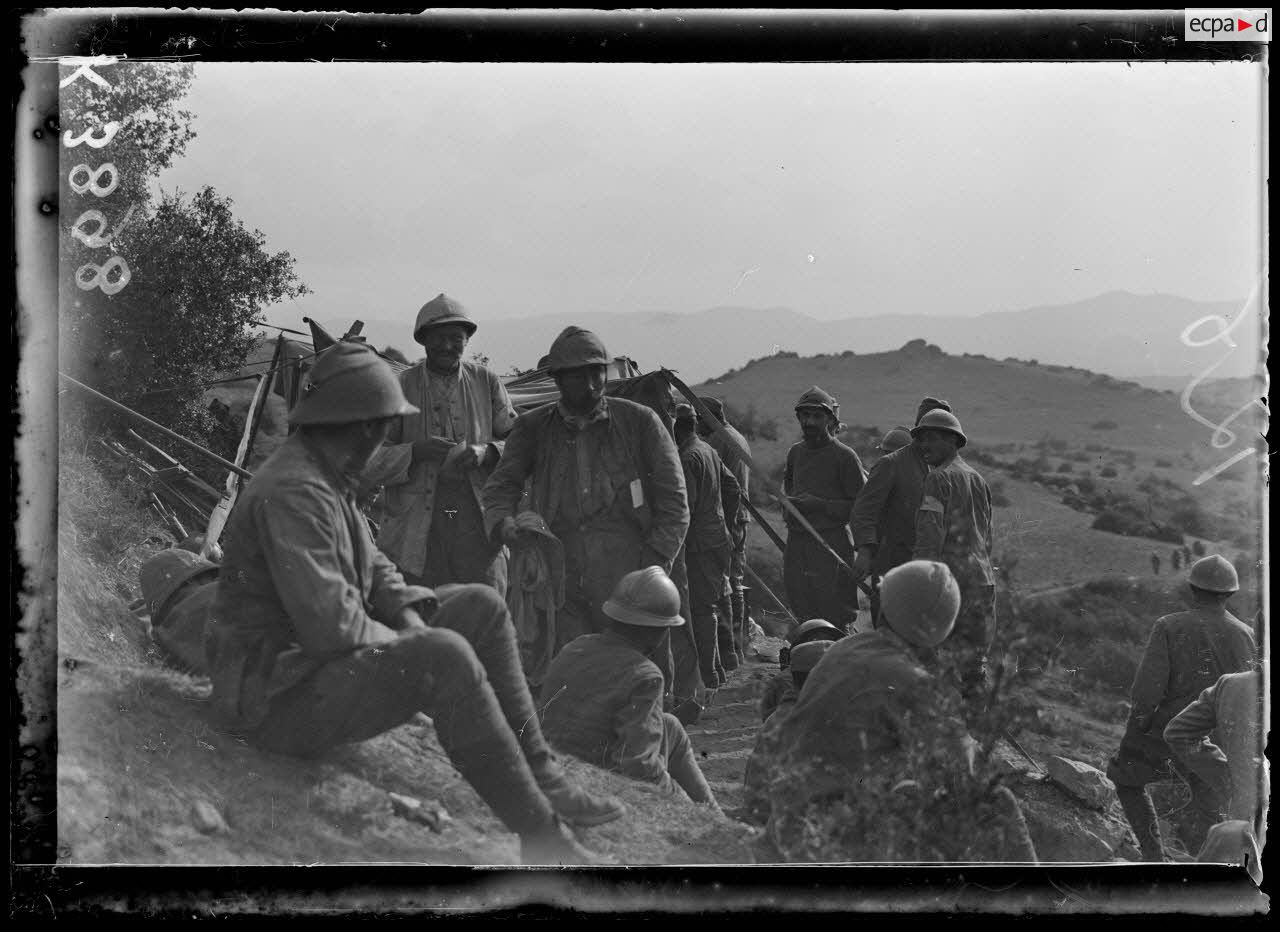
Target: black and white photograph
point(595, 463)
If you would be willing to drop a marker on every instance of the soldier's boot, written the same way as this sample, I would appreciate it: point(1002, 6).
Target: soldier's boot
point(741, 631)
point(704, 633)
point(729, 655)
point(1141, 813)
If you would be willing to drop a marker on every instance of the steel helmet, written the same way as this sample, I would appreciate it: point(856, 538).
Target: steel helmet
point(715, 406)
point(349, 382)
point(817, 398)
point(814, 629)
point(574, 348)
point(895, 439)
point(442, 309)
point(685, 412)
point(938, 419)
point(1214, 574)
point(162, 576)
point(804, 657)
point(919, 602)
point(929, 403)
point(647, 598)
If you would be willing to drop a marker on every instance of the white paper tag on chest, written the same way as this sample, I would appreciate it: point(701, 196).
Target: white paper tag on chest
point(637, 494)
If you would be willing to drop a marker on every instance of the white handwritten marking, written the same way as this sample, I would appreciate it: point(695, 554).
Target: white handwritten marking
point(95, 239)
point(86, 69)
point(1209, 474)
point(92, 184)
point(94, 142)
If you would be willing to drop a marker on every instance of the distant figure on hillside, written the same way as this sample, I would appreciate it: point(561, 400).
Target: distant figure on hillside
point(1176, 559)
point(1155, 563)
point(1186, 555)
point(1186, 653)
point(884, 514)
point(730, 445)
point(1197, 548)
point(822, 480)
point(953, 526)
point(315, 640)
point(602, 698)
point(435, 462)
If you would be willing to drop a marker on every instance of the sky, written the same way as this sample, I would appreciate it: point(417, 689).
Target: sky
point(836, 190)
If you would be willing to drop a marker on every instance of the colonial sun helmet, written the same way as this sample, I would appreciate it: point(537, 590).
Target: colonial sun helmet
point(575, 348)
point(647, 598)
point(919, 601)
point(348, 383)
point(441, 310)
point(939, 419)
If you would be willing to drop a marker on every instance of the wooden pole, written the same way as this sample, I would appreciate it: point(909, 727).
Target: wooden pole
point(222, 511)
point(178, 438)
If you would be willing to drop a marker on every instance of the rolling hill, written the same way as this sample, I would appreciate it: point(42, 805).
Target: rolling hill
point(1121, 334)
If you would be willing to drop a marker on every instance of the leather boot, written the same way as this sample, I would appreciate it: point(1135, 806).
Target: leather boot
point(742, 636)
point(729, 658)
point(1141, 813)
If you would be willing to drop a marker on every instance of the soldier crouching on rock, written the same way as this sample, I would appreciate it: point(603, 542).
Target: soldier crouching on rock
point(602, 698)
point(315, 640)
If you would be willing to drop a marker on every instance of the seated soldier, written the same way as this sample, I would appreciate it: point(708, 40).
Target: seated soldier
point(178, 590)
point(602, 697)
point(315, 640)
point(872, 739)
point(755, 780)
point(783, 688)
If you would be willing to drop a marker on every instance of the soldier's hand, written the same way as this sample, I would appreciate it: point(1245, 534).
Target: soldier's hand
point(431, 450)
point(460, 458)
point(408, 619)
point(861, 564)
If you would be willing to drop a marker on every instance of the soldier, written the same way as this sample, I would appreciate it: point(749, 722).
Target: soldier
point(706, 547)
point(1186, 653)
point(895, 439)
point(602, 698)
point(1176, 560)
point(953, 526)
point(730, 445)
point(1155, 563)
point(605, 477)
point(782, 688)
point(315, 640)
point(822, 478)
point(859, 723)
point(884, 514)
point(178, 590)
point(435, 462)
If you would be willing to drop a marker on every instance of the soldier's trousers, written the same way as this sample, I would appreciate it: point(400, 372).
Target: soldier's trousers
point(817, 586)
point(464, 672)
point(458, 550)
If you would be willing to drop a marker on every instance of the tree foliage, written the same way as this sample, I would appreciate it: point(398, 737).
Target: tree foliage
point(198, 277)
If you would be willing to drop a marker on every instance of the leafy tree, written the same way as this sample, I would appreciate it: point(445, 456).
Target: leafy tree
point(197, 278)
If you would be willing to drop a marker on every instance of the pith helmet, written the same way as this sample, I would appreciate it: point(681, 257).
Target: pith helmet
point(162, 576)
point(647, 598)
point(349, 383)
point(817, 398)
point(715, 406)
point(939, 419)
point(685, 412)
point(805, 657)
point(574, 348)
point(895, 439)
point(815, 629)
point(929, 403)
point(1214, 574)
point(919, 601)
point(442, 309)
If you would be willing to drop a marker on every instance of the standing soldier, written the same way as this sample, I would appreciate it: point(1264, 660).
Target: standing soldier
point(605, 477)
point(706, 548)
point(884, 515)
point(1186, 654)
point(1177, 560)
point(822, 479)
point(1155, 563)
point(730, 449)
point(953, 526)
point(436, 461)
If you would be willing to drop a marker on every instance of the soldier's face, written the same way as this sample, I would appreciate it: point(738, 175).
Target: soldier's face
point(445, 345)
point(582, 388)
point(813, 421)
point(936, 446)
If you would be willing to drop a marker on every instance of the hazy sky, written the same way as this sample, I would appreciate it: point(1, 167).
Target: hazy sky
point(834, 189)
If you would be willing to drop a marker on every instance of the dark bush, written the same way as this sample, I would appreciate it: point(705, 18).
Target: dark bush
point(1104, 425)
point(1066, 467)
point(1108, 472)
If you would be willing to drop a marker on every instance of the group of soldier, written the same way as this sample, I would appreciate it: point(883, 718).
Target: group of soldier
point(590, 553)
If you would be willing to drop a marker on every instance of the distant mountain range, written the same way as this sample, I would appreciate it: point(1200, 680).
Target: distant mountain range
point(1123, 335)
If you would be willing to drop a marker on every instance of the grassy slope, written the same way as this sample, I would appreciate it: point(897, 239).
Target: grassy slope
point(136, 753)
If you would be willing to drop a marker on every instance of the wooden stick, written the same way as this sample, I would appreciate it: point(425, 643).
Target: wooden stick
point(222, 510)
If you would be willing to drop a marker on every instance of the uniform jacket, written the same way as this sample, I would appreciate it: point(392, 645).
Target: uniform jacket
point(301, 584)
point(703, 476)
point(884, 513)
point(732, 458)
point(1186, 653)
point(602, 702)
point(953, 525)
point(633, 485)
point(1220, 736)
point(486, 417)
point(833, 473)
